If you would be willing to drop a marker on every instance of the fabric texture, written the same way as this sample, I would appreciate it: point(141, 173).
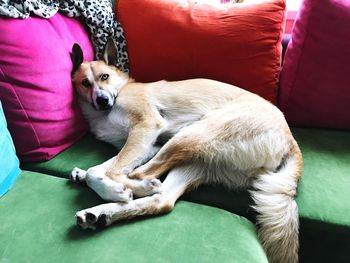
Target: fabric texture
point(39, 226)
point(98, 15)
point(9, 163)
point(35, 81)
point(315, 75)
point(180, 39)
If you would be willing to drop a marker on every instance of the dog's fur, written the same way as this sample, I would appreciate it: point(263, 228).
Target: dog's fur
point(199, 131)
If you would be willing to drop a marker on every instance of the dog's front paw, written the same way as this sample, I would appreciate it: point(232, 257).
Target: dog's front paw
point(78, 176)
point(124, 196)
point(108, 189)
point(113, 191)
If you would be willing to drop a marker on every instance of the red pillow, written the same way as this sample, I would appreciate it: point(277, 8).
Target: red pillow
point(179, 39)
point(315, 80)
point(35, 83)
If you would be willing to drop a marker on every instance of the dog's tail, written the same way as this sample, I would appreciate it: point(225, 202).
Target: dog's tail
point(278, 219)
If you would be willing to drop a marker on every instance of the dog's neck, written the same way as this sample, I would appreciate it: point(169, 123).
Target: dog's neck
point(125, 79)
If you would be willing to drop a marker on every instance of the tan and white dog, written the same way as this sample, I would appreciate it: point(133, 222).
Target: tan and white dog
point(198, 131)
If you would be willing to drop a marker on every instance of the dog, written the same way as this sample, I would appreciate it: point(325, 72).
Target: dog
point(197, 131)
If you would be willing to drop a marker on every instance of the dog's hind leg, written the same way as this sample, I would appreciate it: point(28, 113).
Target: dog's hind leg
point(183, 148)
point(175, 184)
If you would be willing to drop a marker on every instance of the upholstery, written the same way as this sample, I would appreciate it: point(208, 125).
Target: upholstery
point(322, 193)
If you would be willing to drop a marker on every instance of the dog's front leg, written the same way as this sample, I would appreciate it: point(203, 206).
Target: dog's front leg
point(105, 187)
point(117, 190)
point(138, 147)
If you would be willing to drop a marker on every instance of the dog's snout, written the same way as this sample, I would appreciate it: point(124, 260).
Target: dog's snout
point(103, 102)
point(102, 99)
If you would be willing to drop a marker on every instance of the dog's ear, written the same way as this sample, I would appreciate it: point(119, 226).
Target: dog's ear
point(110, 52)
point(77, 57)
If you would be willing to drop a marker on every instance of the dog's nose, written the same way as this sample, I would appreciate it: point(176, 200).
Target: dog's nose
point(102, 101)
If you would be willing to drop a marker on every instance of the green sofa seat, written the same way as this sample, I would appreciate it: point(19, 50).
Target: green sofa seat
point(37, 225)
point(323, 193)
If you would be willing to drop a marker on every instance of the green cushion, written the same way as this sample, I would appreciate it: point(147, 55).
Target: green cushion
point(323, 195)
point(324, 191)
point(37, 225)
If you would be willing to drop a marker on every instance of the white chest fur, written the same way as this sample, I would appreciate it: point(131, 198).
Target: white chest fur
point(111, 127)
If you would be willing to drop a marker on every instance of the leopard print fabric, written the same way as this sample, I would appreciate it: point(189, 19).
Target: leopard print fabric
point(98, 15)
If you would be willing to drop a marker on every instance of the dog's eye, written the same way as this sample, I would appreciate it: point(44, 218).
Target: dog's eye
point(86, 83)
point(104, 77)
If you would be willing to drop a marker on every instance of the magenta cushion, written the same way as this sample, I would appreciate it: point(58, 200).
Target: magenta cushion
point(315, 79)
point(35, 83)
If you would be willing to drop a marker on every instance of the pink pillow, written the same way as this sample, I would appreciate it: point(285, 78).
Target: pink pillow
point(315, 79)
point(35, 83)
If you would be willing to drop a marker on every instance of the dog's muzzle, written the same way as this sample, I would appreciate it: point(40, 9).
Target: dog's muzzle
point(103, 101)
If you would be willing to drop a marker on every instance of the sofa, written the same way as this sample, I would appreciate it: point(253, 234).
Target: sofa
point(209, 224)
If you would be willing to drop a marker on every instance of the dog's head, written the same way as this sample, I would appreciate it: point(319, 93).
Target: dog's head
point(98, 82)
